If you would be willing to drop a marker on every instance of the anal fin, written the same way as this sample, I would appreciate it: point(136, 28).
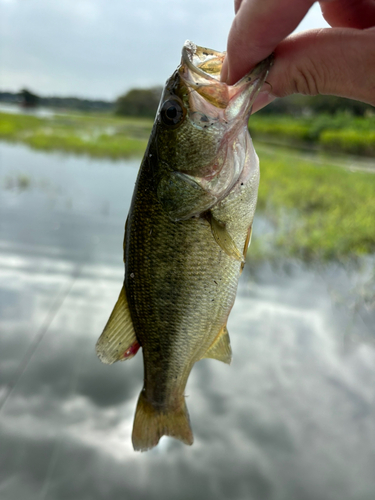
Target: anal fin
point(118, 341)
point(220, 348)
point(223, 238)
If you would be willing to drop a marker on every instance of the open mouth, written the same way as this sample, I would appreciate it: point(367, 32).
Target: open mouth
point(202, 62)
point(200, 70)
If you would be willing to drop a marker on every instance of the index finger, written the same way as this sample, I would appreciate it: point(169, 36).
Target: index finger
point(358, 14)
point(258, 27)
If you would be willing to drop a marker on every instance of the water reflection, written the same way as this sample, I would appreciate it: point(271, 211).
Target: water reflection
point(291, 418)
point(43, 112)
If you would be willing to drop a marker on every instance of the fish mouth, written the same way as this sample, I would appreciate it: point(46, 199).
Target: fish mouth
point(200, 71)
point(203, 63)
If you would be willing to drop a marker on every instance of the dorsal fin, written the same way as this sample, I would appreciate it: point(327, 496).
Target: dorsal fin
point(220, 348)
point(118, 341)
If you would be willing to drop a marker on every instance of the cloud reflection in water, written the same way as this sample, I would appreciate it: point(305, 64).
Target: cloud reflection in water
point(291, 418)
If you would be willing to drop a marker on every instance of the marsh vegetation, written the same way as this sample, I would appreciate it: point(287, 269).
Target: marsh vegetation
point(314, 209)
point(100, 136)
point(336, 133)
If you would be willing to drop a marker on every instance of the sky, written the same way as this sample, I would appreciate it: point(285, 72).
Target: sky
point(99, 49)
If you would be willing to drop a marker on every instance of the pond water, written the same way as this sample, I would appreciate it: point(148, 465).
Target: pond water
point(42, 112)
point(293, 417)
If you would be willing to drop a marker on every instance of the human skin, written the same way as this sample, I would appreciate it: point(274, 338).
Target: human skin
point(337, 61)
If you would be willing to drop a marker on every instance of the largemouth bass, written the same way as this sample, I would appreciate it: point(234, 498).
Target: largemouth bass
point(186, 238)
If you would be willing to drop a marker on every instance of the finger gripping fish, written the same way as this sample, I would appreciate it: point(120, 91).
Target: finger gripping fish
point(186, 238)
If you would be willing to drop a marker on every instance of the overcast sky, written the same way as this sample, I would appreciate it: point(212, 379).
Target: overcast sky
point(99, 48)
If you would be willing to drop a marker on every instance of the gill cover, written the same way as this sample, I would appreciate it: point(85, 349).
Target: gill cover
point(202, 138)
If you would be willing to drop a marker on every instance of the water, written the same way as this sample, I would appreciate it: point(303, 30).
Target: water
point(293, 417)
point(42, 112)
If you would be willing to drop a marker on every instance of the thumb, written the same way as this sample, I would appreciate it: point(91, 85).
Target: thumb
point(333, 61)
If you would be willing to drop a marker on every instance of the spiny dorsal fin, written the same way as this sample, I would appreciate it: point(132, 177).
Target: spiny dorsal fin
point(223, 238)
point(220, 349)
point(118, 341)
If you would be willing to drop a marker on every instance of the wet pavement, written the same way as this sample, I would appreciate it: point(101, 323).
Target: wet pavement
point(293, 417)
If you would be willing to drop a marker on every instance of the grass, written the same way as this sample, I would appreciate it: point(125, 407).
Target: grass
point(314, 211)
point(322, 212)
point(349, 141)
point(94, 135)
point(109, 136)
point(342, 132)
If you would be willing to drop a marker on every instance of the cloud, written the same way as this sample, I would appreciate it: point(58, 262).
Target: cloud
point(100, 49)
point(291, 418)
point(285, 419)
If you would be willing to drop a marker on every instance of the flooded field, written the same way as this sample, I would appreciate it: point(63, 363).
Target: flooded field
point(292, 418)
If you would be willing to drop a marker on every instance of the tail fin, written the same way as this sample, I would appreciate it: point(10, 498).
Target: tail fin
point(151, 423)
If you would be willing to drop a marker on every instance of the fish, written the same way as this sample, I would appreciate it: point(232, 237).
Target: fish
point(186, 238)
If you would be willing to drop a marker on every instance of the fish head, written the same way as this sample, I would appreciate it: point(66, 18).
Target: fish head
point(201, 128)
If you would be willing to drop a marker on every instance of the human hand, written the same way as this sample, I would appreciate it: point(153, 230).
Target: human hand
point(338, 61)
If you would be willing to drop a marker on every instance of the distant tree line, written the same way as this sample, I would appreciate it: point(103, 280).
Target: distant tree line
point(144, 103)
point(139, 102)
point(298, 105)
point(28, 99)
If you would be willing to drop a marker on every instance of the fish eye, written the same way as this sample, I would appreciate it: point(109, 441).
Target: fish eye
point(172, 112)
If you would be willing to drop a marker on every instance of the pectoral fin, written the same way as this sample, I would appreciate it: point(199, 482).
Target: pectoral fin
point(246, 246)
point(118, 341)
point(220, 349)
point(247, 241)
point(182, 197)
point(224, 239)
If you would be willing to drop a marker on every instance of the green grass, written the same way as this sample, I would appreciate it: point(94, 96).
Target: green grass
point(322, 212)
point(106, 135)
point(342, 132)
point(94, 135)
point(349, 141)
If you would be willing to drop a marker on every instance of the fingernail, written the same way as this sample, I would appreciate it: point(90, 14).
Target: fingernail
point(224, 70)
point(263, 99)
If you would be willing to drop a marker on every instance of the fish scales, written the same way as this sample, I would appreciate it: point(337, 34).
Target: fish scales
point(180, 283)
point(186, 238)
